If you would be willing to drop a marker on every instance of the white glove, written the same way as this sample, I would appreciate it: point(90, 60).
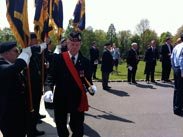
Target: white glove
point(130, 68)
point(48, 97)
point(57, 49)
point(25, 55)
point(43, 46)
point(92, 90)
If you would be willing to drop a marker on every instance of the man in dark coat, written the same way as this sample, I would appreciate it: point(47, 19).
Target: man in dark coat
point(13, 103)
point(132, 62)
point(106, 65)
point(94, 58)
point(68, 75)
point(165, 54)
point(150, 58)
point(48, 54)
point(36, 86)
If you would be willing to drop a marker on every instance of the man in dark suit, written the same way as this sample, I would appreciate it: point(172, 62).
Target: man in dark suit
point(48, 54)
point(94, 58)
point(36, 86)
point(150, 58)
point(165, 54)
point(106, 65)
point(13, 103)
point(70, 75)
point(132, 62)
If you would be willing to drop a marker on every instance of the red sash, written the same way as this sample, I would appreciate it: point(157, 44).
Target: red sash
point(84, 101)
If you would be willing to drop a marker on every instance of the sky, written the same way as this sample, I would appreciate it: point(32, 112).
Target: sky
point(163, 15)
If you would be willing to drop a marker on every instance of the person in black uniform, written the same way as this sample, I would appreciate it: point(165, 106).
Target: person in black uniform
point(13, 103)
point(106, 66)
point(68, 75)
point(48, 62)
point(150, 58)
point(36, 86)
point(165, 54)
point(132, 62)
point(94, 58)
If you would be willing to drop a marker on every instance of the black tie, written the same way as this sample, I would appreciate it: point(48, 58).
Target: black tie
point(73, 60)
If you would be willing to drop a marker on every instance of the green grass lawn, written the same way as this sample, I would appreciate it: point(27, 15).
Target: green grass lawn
point(122, 72)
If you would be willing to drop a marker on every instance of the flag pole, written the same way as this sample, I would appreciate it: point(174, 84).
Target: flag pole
point(29, 90)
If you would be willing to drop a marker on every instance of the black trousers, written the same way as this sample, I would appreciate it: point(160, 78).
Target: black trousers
point(32, 117)
point(166, 69)
point(132, 74)
point(105, 79)
point(150, 73)
point(178, 92)
point(76, 123)
point(94, 69)
point(13, 121)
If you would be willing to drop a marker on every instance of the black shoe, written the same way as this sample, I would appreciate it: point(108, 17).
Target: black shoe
point(134, 82)
point(153, 81)
point(38, 133)
point(179, 114)
point(169, 81)
point(41, 116)
point(108, 87)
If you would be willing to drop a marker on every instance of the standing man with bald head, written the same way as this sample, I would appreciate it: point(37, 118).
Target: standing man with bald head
point(132, 62)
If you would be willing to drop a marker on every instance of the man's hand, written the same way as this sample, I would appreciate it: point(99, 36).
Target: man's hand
point(48, 97)
point(43, 46)
point(25, 55)
point(92, 90)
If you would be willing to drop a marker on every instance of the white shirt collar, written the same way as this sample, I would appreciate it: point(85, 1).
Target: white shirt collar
point(76, 56)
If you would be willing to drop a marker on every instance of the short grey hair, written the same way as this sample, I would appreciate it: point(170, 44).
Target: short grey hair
point(133, 44)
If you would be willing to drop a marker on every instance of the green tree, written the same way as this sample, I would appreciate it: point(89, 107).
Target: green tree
point(147, 36)
point(69, 28)
point(163, 37)
point(6, 35)
point(177, 35)
point(111, 33)
point(141, 28)
point(124, 42)
point(87, 37)
point(101, 39)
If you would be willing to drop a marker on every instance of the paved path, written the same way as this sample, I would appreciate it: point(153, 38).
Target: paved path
point(143, 110)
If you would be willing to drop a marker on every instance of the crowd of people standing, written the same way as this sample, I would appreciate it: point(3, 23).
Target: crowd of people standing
point(68, 77)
